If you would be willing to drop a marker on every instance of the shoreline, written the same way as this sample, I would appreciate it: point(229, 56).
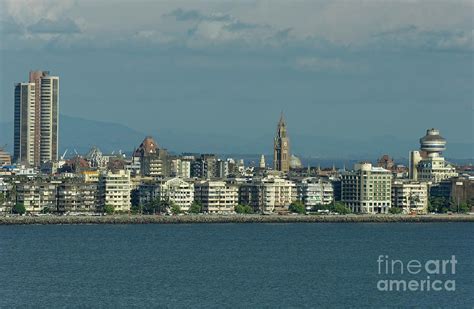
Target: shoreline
point(204, 219)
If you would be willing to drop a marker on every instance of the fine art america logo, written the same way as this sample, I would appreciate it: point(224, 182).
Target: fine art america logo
point(400, 276)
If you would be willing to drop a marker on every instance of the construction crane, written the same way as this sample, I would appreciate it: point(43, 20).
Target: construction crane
point(64, 154)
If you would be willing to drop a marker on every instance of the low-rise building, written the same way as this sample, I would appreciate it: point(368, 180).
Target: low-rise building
point(205, 166)
point(75, 195)
point(216, 196)
point(175, 190)
point(410, 196)
point(114, 189)
point(37, 194)
point(315, 191)
point(268, 194)
point(5, 158)
point(90, 176)
point(180, 168)
point(457, 190)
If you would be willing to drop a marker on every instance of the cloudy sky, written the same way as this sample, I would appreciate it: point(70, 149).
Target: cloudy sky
point(352, 69)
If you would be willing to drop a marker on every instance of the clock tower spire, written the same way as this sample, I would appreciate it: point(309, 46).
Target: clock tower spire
point(281, 148)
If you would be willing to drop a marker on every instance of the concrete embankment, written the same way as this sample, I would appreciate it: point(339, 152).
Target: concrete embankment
point(136, 219)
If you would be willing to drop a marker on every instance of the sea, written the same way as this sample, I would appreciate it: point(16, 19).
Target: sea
point(302, 265)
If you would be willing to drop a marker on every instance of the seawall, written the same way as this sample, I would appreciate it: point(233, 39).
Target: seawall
point(188, 219)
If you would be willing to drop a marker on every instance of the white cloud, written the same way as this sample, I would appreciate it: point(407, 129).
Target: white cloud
point(31, 11)
point(340, 24)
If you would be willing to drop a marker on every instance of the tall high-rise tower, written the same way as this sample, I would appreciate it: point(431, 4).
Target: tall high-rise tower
point(35, 78)
point(36, 119)
point(49, 118)
point(281, 148)
point(24, 123)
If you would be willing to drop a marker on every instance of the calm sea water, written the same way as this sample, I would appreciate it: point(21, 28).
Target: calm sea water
point(225, 265)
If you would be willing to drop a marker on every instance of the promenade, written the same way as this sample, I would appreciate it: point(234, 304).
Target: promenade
point(191, 219)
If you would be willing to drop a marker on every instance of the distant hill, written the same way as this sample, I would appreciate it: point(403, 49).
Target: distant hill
point(82, 134)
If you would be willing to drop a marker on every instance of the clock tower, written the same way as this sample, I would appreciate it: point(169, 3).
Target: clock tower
point(281, 148)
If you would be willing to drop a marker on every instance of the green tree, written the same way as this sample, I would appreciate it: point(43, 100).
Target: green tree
point(195, 208)
point(175, 209)
point(297, 207)
point(46, 210)
point(395, 210)
point(165, 206)
point(439, 204)
point(243, 209)
point(320, 207)
point(340, 208)
point(109, 209)
point(136, 209)
point(19, 208)
point(152, 207)
point(464, 207)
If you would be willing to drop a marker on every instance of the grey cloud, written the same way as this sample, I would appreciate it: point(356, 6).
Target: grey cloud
point(328, 63)
point(65, 25)
point(397, 31)
point(184, 15)
point(283, 34)
point(411, 37)
point(318, 64)
point(238, 25)
point(10, 26)
point(190, 15)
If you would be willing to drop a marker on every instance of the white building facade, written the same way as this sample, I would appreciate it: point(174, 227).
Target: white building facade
point(315, 191)
point(216, 196)
point(177, 191)
point(114, 190)
point(367, 189)
point(410, 196)
point(268, 194)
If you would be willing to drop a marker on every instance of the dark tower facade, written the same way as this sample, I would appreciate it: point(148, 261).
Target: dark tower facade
point(281, 148)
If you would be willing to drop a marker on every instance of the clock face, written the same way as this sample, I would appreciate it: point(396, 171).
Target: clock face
point(285, 144)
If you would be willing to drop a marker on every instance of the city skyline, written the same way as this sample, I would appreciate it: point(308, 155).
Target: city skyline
point(241, 154)
point(192, 65)
point(101, 134)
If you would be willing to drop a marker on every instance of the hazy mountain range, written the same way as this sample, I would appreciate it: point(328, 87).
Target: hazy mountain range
point(81, 134)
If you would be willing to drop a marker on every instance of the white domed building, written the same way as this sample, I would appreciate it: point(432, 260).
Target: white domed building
point(295, 162)
point(428, 164)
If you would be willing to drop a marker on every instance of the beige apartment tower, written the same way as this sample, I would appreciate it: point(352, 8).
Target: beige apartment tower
point(36, 121)
point(24, 139)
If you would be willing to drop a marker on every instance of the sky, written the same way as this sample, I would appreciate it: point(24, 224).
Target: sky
point(337, 69)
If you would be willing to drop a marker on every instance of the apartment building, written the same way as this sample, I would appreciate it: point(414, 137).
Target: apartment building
point(216, 196)
point(367, 189)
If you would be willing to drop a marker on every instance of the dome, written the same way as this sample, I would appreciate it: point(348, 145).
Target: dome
point(295, 162)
